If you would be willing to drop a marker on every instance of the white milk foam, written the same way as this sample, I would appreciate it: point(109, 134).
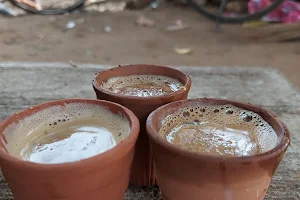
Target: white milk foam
point(142, 85)
point(67, 133)
point(221, 130)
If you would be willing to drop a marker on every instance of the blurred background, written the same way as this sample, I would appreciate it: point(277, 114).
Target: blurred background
point(169, 32)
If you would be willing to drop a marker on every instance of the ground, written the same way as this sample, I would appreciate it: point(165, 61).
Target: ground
point(45, 38)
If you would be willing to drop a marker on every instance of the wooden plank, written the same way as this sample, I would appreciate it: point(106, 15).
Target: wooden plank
point(25, 86)
point(274, 32)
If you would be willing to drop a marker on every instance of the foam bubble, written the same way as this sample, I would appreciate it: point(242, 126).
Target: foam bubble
point(222, 130)
point(84, 142)
point(142, 85)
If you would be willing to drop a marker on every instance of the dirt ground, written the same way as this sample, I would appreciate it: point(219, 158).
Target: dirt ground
point(45, 38)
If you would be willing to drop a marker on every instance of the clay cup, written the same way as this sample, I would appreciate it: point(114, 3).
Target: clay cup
point(142, 173)
point(182, 174)
point(102, 177)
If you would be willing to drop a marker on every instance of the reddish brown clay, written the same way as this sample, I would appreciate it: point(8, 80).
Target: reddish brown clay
point(105, 176)
point(182, 174)
point(142, 172)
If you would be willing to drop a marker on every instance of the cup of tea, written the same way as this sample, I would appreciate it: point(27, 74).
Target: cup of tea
point(142, 89)
point(215, 149)
point(69, 149)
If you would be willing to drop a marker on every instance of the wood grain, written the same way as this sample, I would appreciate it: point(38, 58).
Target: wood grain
point(23, 86)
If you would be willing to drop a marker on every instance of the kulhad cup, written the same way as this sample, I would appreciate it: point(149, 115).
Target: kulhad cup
point(183, 174)
point(143, 172)
point(101, 177)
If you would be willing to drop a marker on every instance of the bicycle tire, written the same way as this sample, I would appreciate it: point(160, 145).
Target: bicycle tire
point(222, 19)
point(49, 11)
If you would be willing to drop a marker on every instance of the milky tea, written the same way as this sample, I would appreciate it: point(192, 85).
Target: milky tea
point(219, 130)
point(142, 85)
point(66, 134)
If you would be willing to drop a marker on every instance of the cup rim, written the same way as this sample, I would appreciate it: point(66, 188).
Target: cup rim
point(186, 85)
point(105, 157)
point(279, 148)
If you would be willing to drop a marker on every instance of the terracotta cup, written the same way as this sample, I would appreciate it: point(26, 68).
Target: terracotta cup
point(104, 176)
point(182, 174)
point(142, 172)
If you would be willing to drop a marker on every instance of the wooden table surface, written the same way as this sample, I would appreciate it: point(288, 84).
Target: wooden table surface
point(26, 84)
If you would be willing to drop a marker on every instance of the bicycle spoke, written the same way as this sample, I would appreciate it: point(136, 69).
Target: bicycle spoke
point(220, 13)
point(227, 12)
point(46, 7)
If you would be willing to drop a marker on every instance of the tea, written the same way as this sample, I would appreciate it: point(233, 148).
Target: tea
point(75, 134)
point(219, 130)
point(142, 85)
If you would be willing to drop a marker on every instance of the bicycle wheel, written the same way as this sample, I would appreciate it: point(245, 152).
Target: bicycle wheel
point(48, 7)
point(219, 15)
